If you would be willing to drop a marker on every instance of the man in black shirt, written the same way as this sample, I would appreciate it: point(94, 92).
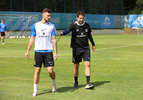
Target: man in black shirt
point(81, 32)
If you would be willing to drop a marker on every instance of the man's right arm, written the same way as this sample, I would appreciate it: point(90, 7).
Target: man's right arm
point(64, 32)
point(31, 41)
point(67, 30)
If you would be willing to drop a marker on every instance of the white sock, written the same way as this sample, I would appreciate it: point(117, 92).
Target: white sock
point(35, 87)
point(54, 81)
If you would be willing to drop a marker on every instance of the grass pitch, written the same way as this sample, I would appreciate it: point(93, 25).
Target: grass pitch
point(116, 71)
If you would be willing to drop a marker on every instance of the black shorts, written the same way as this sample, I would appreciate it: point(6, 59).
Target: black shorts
point(79, 54)
point(45, 58)
point(2, 33)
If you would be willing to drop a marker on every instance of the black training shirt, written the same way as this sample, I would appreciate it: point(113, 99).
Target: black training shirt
point(80, 34)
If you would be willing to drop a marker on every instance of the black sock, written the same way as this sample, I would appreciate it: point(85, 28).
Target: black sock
point(88, 79)
point(76, 79)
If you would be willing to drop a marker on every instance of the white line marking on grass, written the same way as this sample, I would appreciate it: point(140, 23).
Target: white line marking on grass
point(65, 54)
point(119, 47)
point(14, 57)
point(98, 59)
point(136, 60)
point(61, 55)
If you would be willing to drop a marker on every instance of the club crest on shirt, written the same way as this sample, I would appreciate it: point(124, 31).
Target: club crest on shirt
point(86, 30)
point(77, 30)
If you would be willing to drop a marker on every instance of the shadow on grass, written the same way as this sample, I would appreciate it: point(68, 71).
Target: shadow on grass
point(72, 89)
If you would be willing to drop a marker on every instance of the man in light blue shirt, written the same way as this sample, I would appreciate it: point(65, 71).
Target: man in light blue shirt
point(3, 30)
point(44, 35)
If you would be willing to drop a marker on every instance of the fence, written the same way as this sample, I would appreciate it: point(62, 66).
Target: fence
point(23, 21)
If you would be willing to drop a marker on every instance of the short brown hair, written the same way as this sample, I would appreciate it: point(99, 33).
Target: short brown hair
point(47, 10)
point(80, 13)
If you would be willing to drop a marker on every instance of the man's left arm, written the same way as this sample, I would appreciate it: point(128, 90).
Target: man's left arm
point(92, 41)
point(0, 28)
point(5, 30)
point(54, 42)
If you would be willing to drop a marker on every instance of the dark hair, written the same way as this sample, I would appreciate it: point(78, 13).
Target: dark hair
point(47, 10)
point(80, 13)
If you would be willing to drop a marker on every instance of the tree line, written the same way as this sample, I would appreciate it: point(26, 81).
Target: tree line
point(58, 6)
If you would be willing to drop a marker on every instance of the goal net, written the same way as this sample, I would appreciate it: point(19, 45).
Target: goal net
point(18, 26)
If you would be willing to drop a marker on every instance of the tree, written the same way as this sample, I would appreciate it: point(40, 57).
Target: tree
point(138, 9)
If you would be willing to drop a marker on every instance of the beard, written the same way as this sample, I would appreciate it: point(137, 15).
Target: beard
point(47, 20)
point(80, 22)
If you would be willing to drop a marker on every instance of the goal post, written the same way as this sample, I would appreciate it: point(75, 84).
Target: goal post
point(18, 26)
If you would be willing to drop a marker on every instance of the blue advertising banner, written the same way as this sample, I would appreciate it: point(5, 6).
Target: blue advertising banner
point(25, 20)
point(67, 19)
point(106, 21)
point(93, 20)
point(135, 21)
point(55, 19)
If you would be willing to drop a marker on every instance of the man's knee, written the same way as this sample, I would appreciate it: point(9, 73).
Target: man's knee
point(37, 70)
point(50, 70)
point(87, 64)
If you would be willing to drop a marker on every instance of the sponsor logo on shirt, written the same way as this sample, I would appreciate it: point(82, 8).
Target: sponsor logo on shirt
point(82, 35)
point(43, 35)
point(43, 29)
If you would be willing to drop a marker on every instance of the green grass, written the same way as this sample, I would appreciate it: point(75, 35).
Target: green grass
point(116, 71)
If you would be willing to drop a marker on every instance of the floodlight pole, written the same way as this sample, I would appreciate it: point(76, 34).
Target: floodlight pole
point(23, 5)
point(11, 5)
point(89, 6)
point(64, 6)
point(82, 5)
point(34, 5)
point(116, 7)
point(55, 6)
point(73, 6)
point(122, 7)
point(103, 6)
point(97, 6)
point(110, 7)
point(45, 3)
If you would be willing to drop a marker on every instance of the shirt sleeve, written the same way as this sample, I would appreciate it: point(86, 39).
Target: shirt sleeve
point(54, 31)
point(91, 39)
point(68, 29)
point(33, 30)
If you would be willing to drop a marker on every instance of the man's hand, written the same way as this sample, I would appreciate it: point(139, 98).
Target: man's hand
point(60, 34)
point(55, 57)
point(5, 32)
point(93, 48)
point(27, 55)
